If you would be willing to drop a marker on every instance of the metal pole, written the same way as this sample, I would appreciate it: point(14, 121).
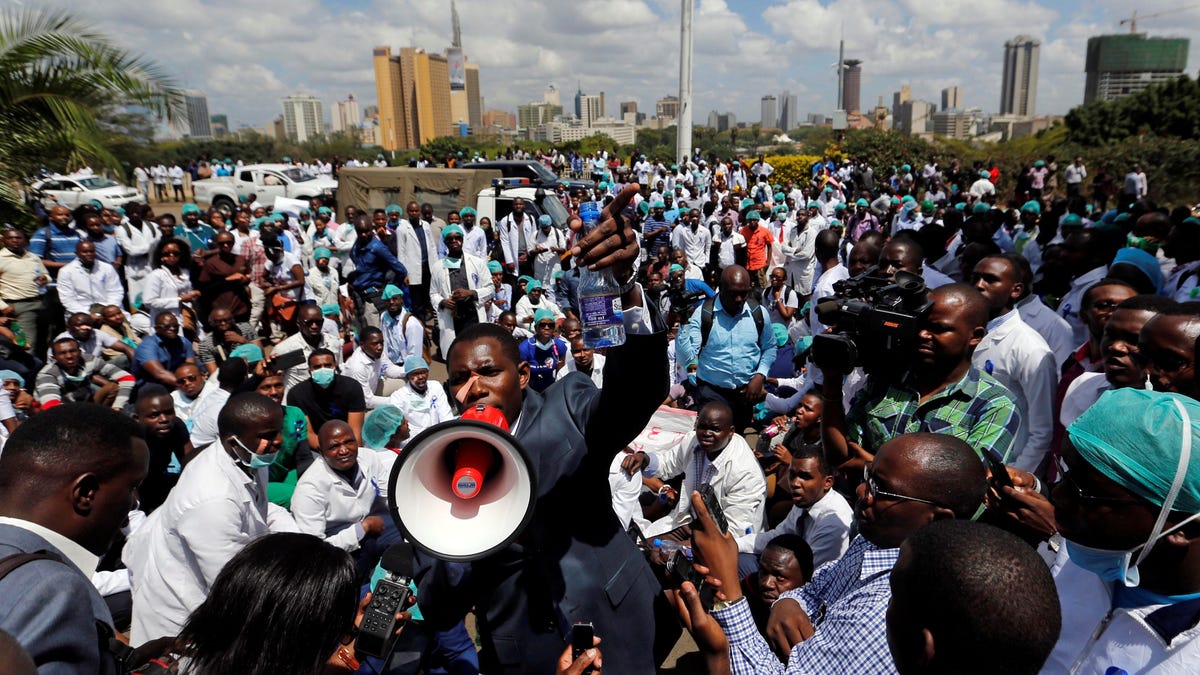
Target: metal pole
point(841, 68)
point(683, 123)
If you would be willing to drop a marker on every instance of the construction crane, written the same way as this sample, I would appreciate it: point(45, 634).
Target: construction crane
point(1133, 19)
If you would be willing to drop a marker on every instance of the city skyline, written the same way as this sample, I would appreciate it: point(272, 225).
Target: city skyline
point(245, 69)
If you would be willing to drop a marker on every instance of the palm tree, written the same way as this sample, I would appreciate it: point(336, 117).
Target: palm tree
point(56, 75)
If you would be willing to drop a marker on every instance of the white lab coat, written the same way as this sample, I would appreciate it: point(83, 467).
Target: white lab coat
point(162, 291)
point(1020, 359)
point(510, 237)
point(328, 506)
point(1052, 327)
point(369, 372)
point(1072, 302)
point(422, 411)
point(137, 243)
point(408, 249)
point(480, 281)
point(1091, 641)
point(738, 483)
point(214, 511)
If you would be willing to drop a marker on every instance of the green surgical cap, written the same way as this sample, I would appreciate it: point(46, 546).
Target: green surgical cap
point(1072, 220)
point(753, 215)
point(321, 252)
point(1032, 206)
point(532, 285)
point(380, 424)
point(452, 229)
point(331, 309)
point(675, 267)
point(542, 315)
point(466, 211)
point(391, 291)
point(1142, 452)
point(980, 207)
point(251, 353)
point(326, 210)
point(746, 203)
point(862, 202)
point(190, 208)
point(813, 205)
point(781, 334)
point(494, 266)
point(414, 363)
point(392, 208)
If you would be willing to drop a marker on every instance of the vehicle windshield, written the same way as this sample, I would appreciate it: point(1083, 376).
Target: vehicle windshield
point(298, 175)
point(544, 173)
point(97, 183)
point(556, 210)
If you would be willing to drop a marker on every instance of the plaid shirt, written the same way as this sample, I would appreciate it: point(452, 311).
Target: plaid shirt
point(847, 602)
point(977, 409)
point(253, 252)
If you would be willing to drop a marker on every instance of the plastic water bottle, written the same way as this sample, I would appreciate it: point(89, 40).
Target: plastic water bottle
point(668, 547)
point(599, 295)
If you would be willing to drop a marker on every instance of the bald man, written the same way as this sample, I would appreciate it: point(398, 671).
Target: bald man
point(941, 392)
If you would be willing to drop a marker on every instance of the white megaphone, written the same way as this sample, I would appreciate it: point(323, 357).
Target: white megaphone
point(464, 489)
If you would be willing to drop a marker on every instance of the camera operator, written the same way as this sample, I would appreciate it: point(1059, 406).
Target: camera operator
point(684, 295)
point(940, 391)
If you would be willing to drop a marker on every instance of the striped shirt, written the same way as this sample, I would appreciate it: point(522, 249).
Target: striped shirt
point(55, 244)
point(54, 388)
point(977, 409)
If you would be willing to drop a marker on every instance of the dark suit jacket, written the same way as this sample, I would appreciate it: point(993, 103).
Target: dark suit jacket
point(52, 608)
point(573, 562)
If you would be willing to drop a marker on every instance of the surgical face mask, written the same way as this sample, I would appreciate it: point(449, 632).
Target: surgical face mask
point(253, 460)
point(693, 379)
point(323, 377)
point(75, 378)
point(545, 345)
point(1115, 566)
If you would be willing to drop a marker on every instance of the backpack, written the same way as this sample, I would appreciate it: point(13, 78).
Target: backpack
point(706, 320)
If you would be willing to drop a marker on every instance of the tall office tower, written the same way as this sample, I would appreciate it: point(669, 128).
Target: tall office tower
point(1120, 65)
point(667, 107)
point(303, 117)
point(346, 115)
point(392, 132)
point(768, 118)
point(789, 116)
point(1018, 86)
point(198, 124)
point(852, 85)
point(899, 98)
point(951, 98)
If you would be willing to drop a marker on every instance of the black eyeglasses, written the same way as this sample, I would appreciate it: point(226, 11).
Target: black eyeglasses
point(1064, 473)
point(874, 491)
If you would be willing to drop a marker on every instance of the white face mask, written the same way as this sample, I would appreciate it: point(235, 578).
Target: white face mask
point(1114, 565)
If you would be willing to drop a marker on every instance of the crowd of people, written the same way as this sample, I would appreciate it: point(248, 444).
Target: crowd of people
point(933, 428)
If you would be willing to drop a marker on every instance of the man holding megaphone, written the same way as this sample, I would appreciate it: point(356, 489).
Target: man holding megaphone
point(572, 562)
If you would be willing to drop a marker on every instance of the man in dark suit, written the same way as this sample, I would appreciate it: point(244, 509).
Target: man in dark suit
point(573, 562)
point(68, 479)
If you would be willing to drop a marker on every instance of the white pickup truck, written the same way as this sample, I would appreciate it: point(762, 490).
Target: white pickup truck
point(266, 181)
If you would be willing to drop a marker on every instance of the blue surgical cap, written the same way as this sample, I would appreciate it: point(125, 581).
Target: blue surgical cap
point(380, 424)
point(1143, 261)
point(414, 363)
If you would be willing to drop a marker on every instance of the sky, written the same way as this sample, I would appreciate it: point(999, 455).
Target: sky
point(248, 54)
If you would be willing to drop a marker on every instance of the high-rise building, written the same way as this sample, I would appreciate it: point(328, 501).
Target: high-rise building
point(899, 98)
point(721, 121)
point(219, 125)
point(346, 115)
point(198, 125)
point(474, 97)
point(536, 113)
point(551, 95)
point(916, 117)
point(958, 123)
point(667, 108)
point(499, 118)
point(768, 118)
point(591, 108)
point(628, 107)
point(414, 97)
point(852, 85)
point(789, 115)
point(1119, 65)
point(1018, 86)
point(951, 98)
point(392, 131)
point(303, 117)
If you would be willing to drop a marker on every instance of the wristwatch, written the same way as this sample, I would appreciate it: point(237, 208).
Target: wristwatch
point(724, 604)
point(628, 284)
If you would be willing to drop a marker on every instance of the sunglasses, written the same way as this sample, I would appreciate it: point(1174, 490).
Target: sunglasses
point(874, 491)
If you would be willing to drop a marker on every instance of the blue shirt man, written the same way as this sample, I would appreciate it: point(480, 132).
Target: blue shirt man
point(372, 262)
point(165, 346)
point(55, 243)
point(736, 355)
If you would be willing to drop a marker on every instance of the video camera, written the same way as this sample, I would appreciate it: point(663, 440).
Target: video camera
point(875, 319)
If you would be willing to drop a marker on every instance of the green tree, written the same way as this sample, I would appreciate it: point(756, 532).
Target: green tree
point(57, 77)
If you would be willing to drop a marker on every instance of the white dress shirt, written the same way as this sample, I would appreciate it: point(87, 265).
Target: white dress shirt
point(215, 510)
point(422, 410)
point(297, 374)
point(1020, 359)
point(1081, 394)
point(824, 289)
point(735, 476)
point(825, 526)
point(328, 506)
point(369, 372)
point(1052, 327)
point(79, 288)
point(597, 374)
point(695, 243)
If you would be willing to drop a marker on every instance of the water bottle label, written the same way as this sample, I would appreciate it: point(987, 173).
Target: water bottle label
point(600, 311)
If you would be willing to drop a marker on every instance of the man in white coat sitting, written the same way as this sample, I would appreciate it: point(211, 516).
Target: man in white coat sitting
point(460, 285)
point(217, 508)
point(422, 402)
point(715, 455)
point(343, 497)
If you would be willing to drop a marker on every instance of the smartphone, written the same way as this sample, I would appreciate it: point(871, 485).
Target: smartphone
point(679, 570)
point(582, 635)
point(1000, 477)
point(288, 359)
point(714, 507)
